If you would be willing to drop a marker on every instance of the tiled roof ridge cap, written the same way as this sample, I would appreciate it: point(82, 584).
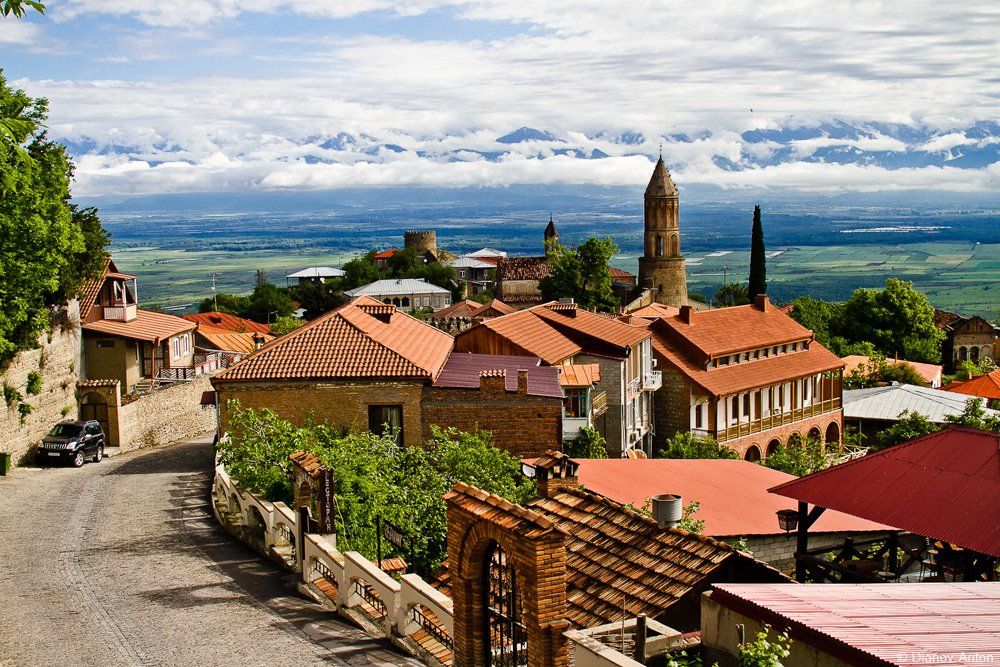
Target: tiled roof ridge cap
point(433, 372)
point(493, 373)
point(461, 488)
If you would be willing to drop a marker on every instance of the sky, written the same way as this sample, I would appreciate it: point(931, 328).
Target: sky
point(234, 95)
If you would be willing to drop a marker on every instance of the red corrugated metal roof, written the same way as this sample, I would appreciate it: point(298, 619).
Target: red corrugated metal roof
point(945, 485)
point(732, 495)
point(463, 368)
point(896, 624)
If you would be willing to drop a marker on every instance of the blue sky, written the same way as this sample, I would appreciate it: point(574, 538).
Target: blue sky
point(238, 94)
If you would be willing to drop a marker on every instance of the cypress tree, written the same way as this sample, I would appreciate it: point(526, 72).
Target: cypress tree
point(758, 268)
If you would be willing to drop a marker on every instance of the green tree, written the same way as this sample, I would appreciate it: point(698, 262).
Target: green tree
point(799, 459)
point(582, 274)
point(817, 316)
point(588, 444)
point(231, 304)
point(286, 324)
point(898, 321)
point(318, 298)
point(733, 294)
point(975, 416)
point(45, 253)
point(360, 271)
point(758, 259)
point(267, 303)
point(687, 446)
point(18, 8)
point(909, 426)
point(698, 297)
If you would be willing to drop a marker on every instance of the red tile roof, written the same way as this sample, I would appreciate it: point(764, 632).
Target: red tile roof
point(495, 305)
point(92, 288)
point(311, 464)
point(735, 378)
point(945, 486)
point(885, 624)
point(931, 373)
point(386, 254)
point(232, 341)
point(555, 332)
point(732, 494)
point(621, 274)
point(656, 310)
point(463, 371)
point(984, 386)
point(361, 339)
point(463, 308)
point(728, 330)
point(227, 321)
point(147, 326)
point(616, 556)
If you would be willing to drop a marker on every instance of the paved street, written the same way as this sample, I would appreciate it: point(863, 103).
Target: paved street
point(121, 563)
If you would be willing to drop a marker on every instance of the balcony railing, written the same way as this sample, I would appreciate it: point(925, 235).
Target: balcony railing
point(779, 419)
point(598, 404)
point(653, 380)
point(123, 313)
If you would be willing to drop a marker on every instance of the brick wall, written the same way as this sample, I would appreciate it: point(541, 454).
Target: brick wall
point(168, 414)
point(522, 425)
point(782, 433)
point(611, 424)
point(338, 403)
point(58, 361)
point(671, 406)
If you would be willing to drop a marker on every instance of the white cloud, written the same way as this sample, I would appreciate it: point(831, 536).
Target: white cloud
point(19, 33)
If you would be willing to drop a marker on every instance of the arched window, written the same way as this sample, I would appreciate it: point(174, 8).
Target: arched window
point(963, 354)
point(659, 246)
point(506, 637)
point(752, 453)
point(773, 446)
point(974, 354)
point(395, 301)
point(674, 246)
point(406, 302)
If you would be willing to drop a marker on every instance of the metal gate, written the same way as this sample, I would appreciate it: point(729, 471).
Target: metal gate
point(506, 637)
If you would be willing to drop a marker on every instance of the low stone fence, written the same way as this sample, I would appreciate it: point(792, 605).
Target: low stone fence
point(169, 414)
point(409, 612)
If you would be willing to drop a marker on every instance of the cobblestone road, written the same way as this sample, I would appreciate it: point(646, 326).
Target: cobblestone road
point(121, 563)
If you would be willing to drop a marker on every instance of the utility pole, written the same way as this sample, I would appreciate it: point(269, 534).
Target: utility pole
point(725, 274)
point(215, 295)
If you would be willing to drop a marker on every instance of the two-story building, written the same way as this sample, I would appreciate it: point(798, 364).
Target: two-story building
point(564, 334)
point(966, 339)
point(125, 343)
point(749, 377)
point(478, 273)
point(409, 294)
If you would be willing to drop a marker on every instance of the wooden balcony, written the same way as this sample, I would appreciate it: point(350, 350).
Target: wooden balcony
point(120, 313)
point(779, 419)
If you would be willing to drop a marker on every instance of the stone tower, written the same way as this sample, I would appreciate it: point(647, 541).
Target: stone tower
point(421, 240)
point(661, 266)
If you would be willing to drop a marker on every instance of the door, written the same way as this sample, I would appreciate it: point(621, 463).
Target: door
point(95, 408)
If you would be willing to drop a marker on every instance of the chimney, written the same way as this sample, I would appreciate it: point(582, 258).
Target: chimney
point(258, 341)
point(667, 510)
point(522, 381)
point(762, 303)
point(493, 381)
point(566, 300)
point(687, 314)
point(555, 472)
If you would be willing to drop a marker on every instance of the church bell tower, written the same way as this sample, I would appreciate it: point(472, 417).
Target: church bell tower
point(661, 266)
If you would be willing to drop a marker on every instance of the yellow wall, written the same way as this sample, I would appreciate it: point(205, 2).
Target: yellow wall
point(114, 363)
point(337, 403)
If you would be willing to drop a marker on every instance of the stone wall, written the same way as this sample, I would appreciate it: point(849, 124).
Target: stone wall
point(522, 425)
point(168, 414)
point(611, 425)
point(58, 361)
point(337, 403)
point(671, 405)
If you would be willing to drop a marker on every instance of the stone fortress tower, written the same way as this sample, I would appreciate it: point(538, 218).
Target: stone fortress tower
point(422, 241)
point(661, 266)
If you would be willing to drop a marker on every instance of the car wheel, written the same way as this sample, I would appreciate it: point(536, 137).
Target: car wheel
point(99, 454)
point(78, 459)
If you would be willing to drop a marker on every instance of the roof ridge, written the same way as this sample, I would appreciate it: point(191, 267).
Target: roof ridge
point(376, 336)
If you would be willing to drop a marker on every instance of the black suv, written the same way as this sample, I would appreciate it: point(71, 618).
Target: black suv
point(74, 442)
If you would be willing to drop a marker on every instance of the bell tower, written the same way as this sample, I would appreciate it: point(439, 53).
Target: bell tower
point(661, 266)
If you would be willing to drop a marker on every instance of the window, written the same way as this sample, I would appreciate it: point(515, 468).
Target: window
point(386, 419)
point(427, 301)
point(697, 416)
point(107, 342)
point(176, 345)
point(659, 246)
point(187, 343)
point(406, 302)
point(735, 414)
point(746, 404)
point(575, 402)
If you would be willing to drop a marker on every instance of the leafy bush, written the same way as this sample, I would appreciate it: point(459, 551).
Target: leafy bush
point(284, 325)
point(10, 394)
point(688, 522)
point(373, 477)
point(909, 426)
point(798, 458)
point(687, 446)
point(23, 410)
point(588, 444)
point(34, 384)
point(765, 652)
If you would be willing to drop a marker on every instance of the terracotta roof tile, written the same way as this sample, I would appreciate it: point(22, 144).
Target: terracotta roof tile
point(729, 330)
point(532, 334)
point(232, 341)
point(618, 557)
point(495, 305)
point(591, 325)
point(309, 462)
point(227, 321)
point(147, 326)
point(350, 343)
point(931, 373)
point(463, 308)
point(726, 380)
point(655, 311)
